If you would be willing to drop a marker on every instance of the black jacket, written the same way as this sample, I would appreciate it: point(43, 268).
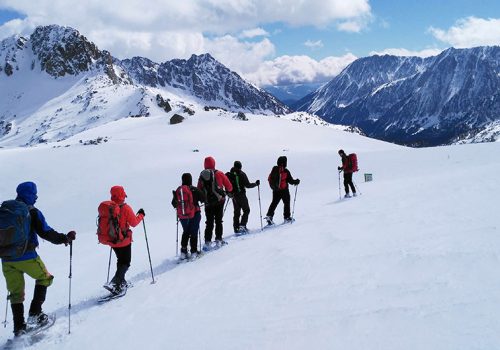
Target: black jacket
point(275, 178)
point(239, 180)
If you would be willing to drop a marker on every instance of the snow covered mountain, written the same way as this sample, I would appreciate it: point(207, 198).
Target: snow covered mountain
point(417, 101)
point(290, 94)
point(205, 78)
point(56, 83)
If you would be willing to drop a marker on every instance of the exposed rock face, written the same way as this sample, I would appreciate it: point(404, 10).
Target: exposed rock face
point(176, 119)
point(415, 101)
point(205, 78)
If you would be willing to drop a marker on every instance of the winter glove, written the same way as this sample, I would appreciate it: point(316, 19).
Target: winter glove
point(339, 168)
point(174, 200)
point(297, 182)
point(141, 211)
point(257, 182)
point(70, 237)
point(230, 195)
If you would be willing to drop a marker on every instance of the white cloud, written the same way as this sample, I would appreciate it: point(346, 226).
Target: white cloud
point(286, 70)
point(162, 30)
point(252, 33)
point(470, 32)
point(406, 52)
point(313, 44)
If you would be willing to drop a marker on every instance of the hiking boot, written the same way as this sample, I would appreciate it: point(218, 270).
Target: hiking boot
point(38, 320)
point(110, 286)
point(207, 246)
point(269, 220)
point(183, 256)
point(120, 288)
point(18, 316)
point(21, 330)
point(347, 195)
point(354, 194)
point(289, 220)
point(195, 255)
point(242, 229)
point(219, 243)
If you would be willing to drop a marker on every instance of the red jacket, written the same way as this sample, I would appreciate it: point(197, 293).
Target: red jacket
point(346, 165)
point(127, 216)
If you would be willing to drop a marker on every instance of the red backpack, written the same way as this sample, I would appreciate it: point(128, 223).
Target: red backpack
point(108, 223)
point(185, 203)
point(353, 158)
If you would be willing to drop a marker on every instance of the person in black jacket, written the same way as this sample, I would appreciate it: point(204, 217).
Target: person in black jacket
point(240, 181)
point(279, 178)
point(190, 225)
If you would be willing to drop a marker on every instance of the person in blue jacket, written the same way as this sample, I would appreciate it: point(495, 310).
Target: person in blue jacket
point(31, 264)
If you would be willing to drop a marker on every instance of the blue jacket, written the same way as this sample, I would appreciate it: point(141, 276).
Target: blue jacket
point(27, 193)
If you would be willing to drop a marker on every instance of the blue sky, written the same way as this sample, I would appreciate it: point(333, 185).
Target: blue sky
point(267, 41)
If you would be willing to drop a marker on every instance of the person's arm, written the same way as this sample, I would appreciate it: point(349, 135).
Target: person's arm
point(225, 182)
point(198, 196)
point(246, 182)
point(290, 179)
point(43, 230)
point(174, 199)
point(132, 219)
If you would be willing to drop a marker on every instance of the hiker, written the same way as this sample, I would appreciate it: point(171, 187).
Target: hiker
point(279, 178)
point(187, 199)
point(28, 261)
point(122, 245)
point(348, 167)
point(239, 181)
point(215, 185)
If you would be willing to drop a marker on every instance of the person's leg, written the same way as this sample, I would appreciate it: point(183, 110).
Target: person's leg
point(194, 226)
point(209, 223)
point(246, 210)
point(36, 269)
point(237, 213)
point(274, 204)
point(14, 279)
point(218, 214)
point(185, 234)
point(123, 256)
point(286, 204)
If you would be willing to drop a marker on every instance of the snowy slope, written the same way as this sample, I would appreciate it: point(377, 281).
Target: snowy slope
point(410, 264)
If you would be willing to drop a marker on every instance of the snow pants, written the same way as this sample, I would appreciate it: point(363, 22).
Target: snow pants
point(214, 214)
point(240, 202)
point(279, 195)
point(14, 276)
point(348, 182)
point(190, 229)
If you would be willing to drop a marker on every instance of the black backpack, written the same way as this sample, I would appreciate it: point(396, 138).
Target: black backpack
point(213, 192)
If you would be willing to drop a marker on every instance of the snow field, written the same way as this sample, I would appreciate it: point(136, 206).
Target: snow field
point(411, 263)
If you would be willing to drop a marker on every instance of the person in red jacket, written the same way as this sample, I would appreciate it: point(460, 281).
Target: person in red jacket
point(347, 168)
point(279, 178)
point(123, 249)
point(215, 185)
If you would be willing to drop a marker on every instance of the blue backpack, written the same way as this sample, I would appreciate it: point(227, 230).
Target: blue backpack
point(15, 228)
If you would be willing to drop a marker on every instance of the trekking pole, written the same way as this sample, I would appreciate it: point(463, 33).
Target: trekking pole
point(177, 240)
point(356, 187)
point(294, 199)
point(260, 209)
point(6, 310)
point(109, 264)
point(70, 277)
point(149, 255)
point(224, 212)
point(199, 237)
point(340, 195)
